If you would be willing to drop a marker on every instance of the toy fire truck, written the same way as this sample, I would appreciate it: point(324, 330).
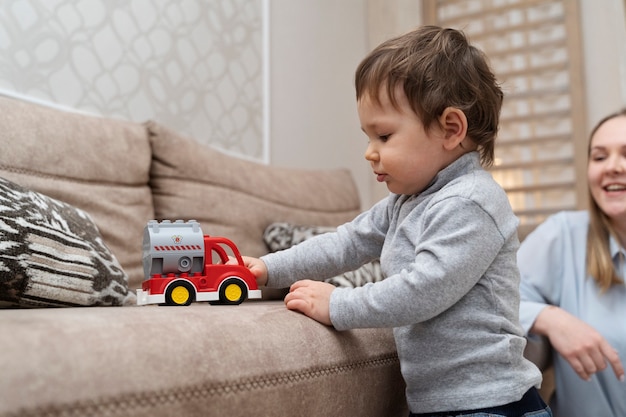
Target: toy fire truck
point(181, 265)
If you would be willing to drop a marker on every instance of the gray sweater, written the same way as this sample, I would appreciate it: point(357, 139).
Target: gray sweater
point(451, 291)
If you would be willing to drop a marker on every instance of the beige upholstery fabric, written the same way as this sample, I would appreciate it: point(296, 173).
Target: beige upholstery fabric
point(238, 199)
point(254, 359)
point(98, 165)
point(539, 351)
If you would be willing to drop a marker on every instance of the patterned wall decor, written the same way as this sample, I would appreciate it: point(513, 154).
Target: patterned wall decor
point(193, 65)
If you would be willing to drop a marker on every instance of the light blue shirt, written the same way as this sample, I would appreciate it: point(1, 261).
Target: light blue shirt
point(553, 271)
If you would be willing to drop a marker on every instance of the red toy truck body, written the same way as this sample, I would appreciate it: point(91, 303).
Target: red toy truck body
point(181, 265)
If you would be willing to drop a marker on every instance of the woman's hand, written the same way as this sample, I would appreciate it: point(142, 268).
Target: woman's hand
point(580, 344)
point(311, 298)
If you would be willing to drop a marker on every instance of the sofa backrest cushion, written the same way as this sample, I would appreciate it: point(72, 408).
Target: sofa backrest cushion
point(96, 164)
point(237, 198)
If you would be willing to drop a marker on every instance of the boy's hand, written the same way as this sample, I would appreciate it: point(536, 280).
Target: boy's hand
point(312, 298)
point(256, 266)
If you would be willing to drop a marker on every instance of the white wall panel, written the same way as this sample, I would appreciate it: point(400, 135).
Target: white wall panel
point(194, 65)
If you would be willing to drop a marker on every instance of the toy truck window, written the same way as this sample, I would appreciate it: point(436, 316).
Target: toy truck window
point(220, 254)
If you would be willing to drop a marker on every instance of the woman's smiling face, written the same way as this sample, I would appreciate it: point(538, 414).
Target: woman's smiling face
point(606, 169)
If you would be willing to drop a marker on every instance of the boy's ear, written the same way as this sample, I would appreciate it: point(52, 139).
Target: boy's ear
point(454, 125)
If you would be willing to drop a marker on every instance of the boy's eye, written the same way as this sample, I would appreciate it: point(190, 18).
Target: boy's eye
point(384, 138)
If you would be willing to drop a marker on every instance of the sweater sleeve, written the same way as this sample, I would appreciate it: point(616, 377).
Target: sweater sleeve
point(327, 255)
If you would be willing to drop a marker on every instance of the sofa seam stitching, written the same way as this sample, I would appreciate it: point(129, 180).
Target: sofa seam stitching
point(122, 403)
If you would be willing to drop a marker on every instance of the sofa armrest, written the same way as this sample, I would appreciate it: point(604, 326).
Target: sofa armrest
point(539, 351)
point(254, 359)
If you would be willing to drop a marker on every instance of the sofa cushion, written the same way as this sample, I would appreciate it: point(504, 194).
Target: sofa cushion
point(97, 164)
point(280, 236)
point(237, 198)
point(257, 358)
point(52, 255)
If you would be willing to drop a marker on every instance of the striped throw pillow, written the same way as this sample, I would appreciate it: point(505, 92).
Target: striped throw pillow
point(52, 255)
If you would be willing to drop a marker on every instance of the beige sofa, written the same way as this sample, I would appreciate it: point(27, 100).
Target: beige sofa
point(253, 359)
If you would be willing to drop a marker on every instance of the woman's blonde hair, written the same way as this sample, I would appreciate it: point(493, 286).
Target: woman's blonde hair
point(599, 260)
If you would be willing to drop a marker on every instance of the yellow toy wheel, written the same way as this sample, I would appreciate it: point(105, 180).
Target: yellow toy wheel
point(232, 292)
point(179, 293)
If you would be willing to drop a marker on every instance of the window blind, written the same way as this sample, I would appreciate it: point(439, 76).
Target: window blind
point(534, 48)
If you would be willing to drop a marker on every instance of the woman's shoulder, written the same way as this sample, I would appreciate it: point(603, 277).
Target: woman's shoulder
point(563, 224)
point(571, 219)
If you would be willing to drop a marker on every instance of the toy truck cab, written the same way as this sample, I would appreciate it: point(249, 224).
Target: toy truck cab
point(181, 265)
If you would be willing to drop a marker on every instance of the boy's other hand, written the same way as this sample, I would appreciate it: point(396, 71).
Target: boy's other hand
point(312, 298)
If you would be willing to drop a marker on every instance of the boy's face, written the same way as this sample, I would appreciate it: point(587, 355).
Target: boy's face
point(402, 154)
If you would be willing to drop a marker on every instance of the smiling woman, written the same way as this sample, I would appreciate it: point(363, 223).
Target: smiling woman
point(572, 288)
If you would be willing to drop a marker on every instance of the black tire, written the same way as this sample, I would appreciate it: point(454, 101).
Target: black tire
point(180, 293)
point(233, 291)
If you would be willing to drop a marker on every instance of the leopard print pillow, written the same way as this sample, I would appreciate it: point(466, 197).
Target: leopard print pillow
point(52, 255)
point(279, 236)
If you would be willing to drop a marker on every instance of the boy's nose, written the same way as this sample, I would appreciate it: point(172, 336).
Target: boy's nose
point(370, 153)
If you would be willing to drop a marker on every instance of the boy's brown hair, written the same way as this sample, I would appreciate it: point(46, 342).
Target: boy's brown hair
point(437, 68)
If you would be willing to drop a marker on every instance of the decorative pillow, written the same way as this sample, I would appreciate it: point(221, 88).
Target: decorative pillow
point(52, 255)
point(279, 236)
